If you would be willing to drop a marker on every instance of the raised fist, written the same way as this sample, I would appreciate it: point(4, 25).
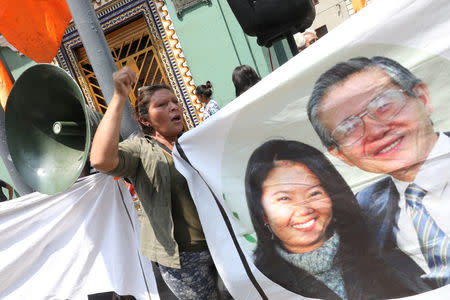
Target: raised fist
point(124, 79)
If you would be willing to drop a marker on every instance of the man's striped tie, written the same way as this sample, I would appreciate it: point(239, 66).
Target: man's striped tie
point(433, 241)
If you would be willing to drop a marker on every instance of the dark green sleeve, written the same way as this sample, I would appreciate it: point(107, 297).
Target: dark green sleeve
point(129, 159)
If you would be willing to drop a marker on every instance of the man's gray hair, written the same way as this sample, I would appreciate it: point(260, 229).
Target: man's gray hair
point(299, 39)
point(398, 74)
point(309, 30)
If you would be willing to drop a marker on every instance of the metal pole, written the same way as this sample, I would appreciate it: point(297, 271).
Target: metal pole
point(292, 44)
point(100, 57)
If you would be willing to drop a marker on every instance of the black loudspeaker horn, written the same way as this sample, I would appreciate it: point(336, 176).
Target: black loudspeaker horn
point(48, 128)
point(272, 20)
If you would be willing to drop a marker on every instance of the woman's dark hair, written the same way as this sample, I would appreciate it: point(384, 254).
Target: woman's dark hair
point(204, 90)
point(244, 77)
point(144, 96)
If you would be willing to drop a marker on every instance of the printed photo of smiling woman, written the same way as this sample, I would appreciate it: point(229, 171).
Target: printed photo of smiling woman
point(311, 236)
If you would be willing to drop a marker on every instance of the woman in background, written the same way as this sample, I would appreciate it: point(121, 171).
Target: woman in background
point(204, 93)
point(10, 191)
point(171, 232)
point(244, 77)
point(312, 239)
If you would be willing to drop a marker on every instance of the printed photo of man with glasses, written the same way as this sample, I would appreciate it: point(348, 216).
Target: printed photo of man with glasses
point(374, 114)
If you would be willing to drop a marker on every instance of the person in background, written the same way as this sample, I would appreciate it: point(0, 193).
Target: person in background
point(204, 93)
point(10, 191)
point(305, 39)
point(244, 77)
point(171, 233)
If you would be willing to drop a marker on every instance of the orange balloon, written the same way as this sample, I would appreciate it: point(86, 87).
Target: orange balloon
point(35, 27)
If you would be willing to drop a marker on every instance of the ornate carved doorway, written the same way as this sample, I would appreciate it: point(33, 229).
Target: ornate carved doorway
point(132, 46)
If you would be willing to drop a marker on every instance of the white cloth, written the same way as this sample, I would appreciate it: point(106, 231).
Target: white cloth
point(410, 32)
point(67, 246)
point(81, 242)
point(434, 177)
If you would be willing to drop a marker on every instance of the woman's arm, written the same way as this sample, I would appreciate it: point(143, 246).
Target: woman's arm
point(10, 191)
point(8, 187)
point(104, 151)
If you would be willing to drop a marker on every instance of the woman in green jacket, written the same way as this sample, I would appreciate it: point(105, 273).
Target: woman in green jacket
point(171, 233)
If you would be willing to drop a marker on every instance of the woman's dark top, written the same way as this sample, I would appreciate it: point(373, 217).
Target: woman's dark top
point(364, 277)
point(188, 232)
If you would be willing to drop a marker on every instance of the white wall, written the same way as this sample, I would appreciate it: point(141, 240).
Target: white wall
point(333, 12)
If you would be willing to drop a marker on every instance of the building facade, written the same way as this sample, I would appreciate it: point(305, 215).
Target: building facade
point(331, 13)
point(163, 44)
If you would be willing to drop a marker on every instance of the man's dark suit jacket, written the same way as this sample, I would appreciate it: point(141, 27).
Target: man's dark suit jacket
point(379, 205)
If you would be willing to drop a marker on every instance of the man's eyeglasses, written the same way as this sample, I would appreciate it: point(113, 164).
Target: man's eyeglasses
point(383, 108)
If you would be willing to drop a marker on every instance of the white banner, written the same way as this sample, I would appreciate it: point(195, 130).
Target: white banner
point(412, 33)
point(74, 244)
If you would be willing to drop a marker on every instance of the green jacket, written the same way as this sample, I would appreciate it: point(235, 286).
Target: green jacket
point(143, 162)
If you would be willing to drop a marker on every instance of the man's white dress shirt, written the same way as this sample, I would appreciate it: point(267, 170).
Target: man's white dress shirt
point(434, 177)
